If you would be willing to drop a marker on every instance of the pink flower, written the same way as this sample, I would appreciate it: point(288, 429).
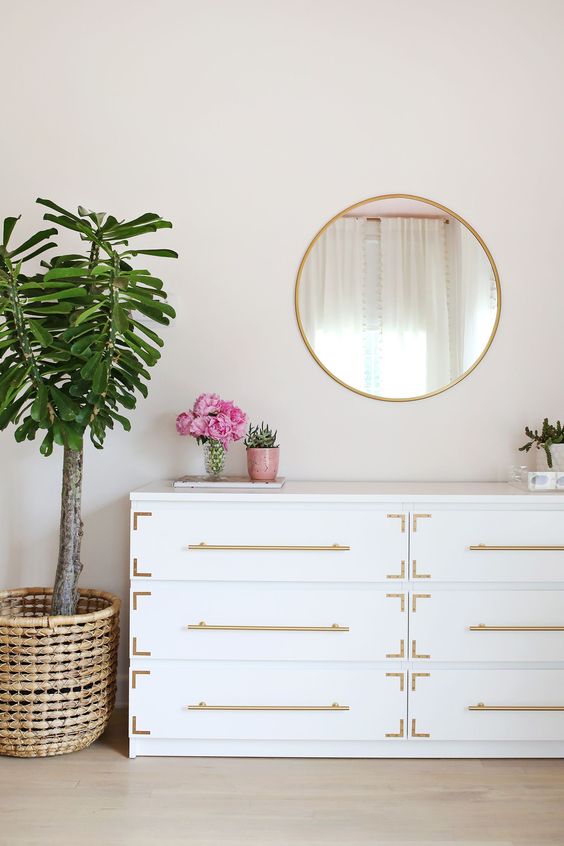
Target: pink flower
point(237, 417)
point(207, 404)
point(183, 422)
point(199, 427)
point(220, 429)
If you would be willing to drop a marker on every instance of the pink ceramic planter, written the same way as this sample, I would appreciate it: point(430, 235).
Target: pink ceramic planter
point(262, 464)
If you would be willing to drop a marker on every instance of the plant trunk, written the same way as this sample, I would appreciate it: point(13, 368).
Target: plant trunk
point(69, 567)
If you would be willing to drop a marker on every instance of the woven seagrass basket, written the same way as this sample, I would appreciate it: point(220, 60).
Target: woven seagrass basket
point(57, 674)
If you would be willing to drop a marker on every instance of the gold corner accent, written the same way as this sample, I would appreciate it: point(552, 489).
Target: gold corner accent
point(138, 652)
point(400, 575)
point(417, 517)
point(417, 575)
point(414, 732)
point(400, 517)
point(401, 677)
point(415, 597)
point(400, 654)
point(414, 651)
point(135, 673)
point(400, 596)
point(137, 573)
point(137, 514)
point(137, 593)
point(398, 733)
point(415, 676)
point(134, 729)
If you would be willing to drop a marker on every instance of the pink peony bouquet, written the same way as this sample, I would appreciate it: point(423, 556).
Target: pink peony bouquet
point(212, 419)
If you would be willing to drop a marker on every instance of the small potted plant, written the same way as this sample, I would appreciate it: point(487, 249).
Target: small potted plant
point(550, 445)
point(263, 453)
point(215, 423)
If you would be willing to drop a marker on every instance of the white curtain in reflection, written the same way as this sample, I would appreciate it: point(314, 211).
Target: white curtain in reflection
point(331, 302)
point(413, 325)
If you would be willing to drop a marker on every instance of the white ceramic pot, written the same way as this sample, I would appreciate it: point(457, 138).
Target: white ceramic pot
point(557, 453)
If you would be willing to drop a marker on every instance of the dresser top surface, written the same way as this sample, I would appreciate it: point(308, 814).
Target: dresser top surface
point(298, 491)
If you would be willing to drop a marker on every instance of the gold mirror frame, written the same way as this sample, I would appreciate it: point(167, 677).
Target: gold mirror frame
point(451, 214)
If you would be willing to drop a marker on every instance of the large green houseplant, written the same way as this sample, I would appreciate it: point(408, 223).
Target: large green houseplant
point(75, 346)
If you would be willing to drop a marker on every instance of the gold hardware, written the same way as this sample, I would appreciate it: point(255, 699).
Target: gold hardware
point(396, 734)
point(414, 732)
point(137, 514)
point(335, 627)
point(400, 654)
point(135, 673)
point(336, 547)
point(136, 651)
point(401, 572)
point(398, 517)
point(203, 706)
point(483, 628)
point(400, 596)
point(414, 651)
point(415, 676)
point(137, 593)
point(481, 547)
point(481, 707)
point(417, 575)
point(417, 517)
point(137, 573)
point(415, 597)
point(401, 677)
point(451, 215)
point(134, 729)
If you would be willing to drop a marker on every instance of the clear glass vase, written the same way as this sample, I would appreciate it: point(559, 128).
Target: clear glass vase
point(214, 458)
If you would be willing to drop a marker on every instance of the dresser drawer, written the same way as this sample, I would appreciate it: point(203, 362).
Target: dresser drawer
point(278, 621)
point(184, 699)
point(488, 546)
point(488, 625)
point(263, 542)
point(487, 705)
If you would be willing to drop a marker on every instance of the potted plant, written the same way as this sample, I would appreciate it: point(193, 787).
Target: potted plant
point(74, 353)
point(263, 453)
point(551, 441)
point(215, 423)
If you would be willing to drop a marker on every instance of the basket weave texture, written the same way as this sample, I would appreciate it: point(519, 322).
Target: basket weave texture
point(57, 674)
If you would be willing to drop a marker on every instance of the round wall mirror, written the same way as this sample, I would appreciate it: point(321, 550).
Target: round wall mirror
point(398, 298)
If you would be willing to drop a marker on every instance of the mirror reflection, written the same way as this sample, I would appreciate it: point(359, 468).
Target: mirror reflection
point(397, 298)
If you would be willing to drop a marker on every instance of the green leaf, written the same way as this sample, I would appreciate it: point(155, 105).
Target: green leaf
point(74, 437)
point(40, 250)
point(39, 409)
point(65, 273)
point(100, 378)
point(46, 447)
point(161, 253)
point(90, 366)
point(123, 420)
point(88, 312)
point(65, 293)
point(43, 235)
point(120, 318)
point(41, 335)
point(9, 223)
point(66, 407)
point(50, 204)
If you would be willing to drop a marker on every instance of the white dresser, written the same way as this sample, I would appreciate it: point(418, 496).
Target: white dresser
point(347, 620)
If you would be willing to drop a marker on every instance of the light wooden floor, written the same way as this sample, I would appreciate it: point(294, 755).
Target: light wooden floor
point(101, 797)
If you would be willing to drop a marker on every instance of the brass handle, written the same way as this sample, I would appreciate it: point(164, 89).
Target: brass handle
point(335, 627)
point(481, 707)
point(203, 706)
point(483, 628)
point(336, 547)
point(482, 547)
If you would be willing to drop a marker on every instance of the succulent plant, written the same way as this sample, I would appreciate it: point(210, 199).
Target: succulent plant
point(261, 438)
point(544, 439)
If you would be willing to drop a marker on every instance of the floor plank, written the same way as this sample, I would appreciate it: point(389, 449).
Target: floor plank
point(99, 796)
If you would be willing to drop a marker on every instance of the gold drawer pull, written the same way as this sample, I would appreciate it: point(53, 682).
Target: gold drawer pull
point(204, 547)
point(202, 627)
point(203, 706)
point(482, 547)
point(481, 707)
point(483, 628)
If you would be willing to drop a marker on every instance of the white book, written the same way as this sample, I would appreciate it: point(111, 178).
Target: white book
point(224, 482)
